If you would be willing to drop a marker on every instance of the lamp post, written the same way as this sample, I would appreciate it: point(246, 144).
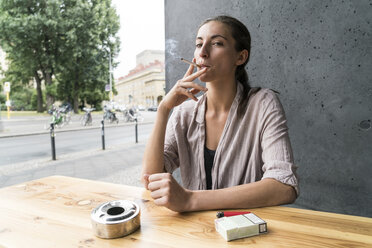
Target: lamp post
point(110, 42)
point(7, 90)
point(110, 71)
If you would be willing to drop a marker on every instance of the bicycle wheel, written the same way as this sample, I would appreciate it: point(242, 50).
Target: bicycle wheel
point(111, 118)
point(84, 120)
point(126, 117)
point(90, 120)
point(67, 118)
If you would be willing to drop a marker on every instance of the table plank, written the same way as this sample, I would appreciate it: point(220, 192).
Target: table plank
point(55, 212)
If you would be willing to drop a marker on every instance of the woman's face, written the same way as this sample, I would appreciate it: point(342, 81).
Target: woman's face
point(215, 50)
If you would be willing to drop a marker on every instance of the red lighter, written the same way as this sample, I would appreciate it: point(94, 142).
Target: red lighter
point(227, 214)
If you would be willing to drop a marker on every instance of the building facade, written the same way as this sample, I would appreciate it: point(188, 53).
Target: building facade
point(145, 84)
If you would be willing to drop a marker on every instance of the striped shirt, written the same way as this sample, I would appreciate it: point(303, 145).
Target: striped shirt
point(250, 149)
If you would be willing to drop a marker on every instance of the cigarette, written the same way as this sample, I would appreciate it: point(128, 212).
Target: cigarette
point(189, 62)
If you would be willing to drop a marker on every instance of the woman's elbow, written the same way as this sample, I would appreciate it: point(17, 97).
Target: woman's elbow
point(290, 195)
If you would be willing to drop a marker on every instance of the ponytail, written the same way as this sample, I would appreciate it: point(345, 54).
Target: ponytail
point(241, 76)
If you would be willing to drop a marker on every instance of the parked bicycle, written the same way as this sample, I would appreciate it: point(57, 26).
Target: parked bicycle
point(109, 115)
point(87, 118)
point(132, 114)
point(67, 110)
point(60, 116)
point(66, 114)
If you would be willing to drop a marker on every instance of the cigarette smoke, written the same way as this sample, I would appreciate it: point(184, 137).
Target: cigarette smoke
point(171, 48)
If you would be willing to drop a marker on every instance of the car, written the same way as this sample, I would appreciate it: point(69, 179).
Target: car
point(141, 108)
point(152, 108)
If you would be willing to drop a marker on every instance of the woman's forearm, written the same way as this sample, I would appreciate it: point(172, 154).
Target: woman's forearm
point(267, 192)
point(153, 159)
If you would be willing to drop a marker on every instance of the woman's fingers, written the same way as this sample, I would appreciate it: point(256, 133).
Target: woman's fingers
point(157, 194)
point(159, 184)
point(152, 186)
point(166, 191)
point(189, 71)
point(162, 201)
point(159, 176)
point(190, 89)
point(146, 180)
point(192, 85)
point(183, 89)
point(195, 75)
point(190, 94)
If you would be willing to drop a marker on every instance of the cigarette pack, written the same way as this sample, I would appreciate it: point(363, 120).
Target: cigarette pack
point(240, 226)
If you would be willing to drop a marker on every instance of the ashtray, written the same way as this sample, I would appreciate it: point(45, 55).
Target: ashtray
point(115, 219)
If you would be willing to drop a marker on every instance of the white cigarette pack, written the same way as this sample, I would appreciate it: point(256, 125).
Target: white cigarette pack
point(240, 226)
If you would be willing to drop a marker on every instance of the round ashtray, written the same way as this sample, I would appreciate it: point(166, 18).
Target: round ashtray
point(115, 219)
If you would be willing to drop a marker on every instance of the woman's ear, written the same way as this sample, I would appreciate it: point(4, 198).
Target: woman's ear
point(243, 56)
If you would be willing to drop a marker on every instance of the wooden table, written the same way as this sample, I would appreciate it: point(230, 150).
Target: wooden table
point(55, 212)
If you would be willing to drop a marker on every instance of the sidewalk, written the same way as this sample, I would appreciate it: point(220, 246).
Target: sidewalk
point(120, 164)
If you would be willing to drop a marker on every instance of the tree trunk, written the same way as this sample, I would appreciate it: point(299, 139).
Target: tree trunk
point(49, 98)
point(76, 91)
point(76, 104)
point(39, 94)
point(76, 97)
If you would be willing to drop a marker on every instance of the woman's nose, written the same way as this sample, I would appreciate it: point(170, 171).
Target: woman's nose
point(203, 53)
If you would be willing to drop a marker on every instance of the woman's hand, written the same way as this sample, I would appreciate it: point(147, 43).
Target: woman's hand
point(184, 89)
point(168, 193)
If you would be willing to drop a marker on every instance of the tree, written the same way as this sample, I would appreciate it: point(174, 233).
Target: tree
point(22, 84)
point(31, 32)
point(90, 38)
point(65, 40)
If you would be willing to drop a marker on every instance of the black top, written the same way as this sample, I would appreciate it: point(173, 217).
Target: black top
point(208, 164)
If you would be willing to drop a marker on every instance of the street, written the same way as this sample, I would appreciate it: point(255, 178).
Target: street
point(24, 148)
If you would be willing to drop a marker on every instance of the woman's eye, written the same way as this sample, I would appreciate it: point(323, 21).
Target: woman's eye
point(198, 45)
point(218, 44)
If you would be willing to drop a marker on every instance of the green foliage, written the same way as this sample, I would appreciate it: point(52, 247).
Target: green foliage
point(68, 39)
point(51, 90)
point(94, 98)
point(89, 42)
point(30, 35)
point(2, 98)
point(21, 100)
point(2, 102)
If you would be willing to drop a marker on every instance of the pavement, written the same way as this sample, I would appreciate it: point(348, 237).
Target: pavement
point(119, 164)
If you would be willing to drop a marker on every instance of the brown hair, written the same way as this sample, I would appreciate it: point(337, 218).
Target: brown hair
point(242, 39)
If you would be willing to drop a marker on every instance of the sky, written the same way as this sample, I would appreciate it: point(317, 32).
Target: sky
point(141, 28)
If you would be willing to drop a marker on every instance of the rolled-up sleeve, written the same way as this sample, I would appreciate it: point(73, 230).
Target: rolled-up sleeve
point(171, 158)
point(277, 153)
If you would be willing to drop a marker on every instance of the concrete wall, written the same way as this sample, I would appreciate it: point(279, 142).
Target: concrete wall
point(317, 54)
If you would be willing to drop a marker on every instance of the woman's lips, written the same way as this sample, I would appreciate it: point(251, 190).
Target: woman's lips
point(202, 66)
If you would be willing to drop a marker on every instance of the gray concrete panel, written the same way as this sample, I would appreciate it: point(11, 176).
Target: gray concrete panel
point(317, 54)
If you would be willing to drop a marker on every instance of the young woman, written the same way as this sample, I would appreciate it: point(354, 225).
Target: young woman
point(231, 144)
